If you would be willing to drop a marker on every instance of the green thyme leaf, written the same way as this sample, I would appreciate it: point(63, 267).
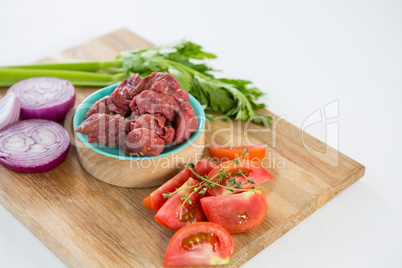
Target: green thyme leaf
point(189, 165)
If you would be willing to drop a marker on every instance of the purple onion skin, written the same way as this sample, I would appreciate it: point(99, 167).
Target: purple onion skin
point(56, 113)
point(35, 104)
point(34, 162)
point(15, 113)
point(38, 169)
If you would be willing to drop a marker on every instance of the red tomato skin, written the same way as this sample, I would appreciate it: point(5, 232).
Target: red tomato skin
point(255, 172)
point(176, 256)
point(156, 200)
point(203, 167)
point(225, 153)
point(168, 215)
point(236, 213)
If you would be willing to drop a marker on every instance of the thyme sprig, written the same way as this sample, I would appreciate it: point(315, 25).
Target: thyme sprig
point(215, 181)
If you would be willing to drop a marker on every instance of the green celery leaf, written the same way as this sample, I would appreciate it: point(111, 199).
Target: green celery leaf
point(232, 97)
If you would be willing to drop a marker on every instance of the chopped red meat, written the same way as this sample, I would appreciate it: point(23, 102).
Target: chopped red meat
point(152, 122)
point(117, 103)
point(163, 82)
point(132, 83)
point(159, 111)
point(181, 96)
point(105, 129)
point(121, 97)
point(186, 123)
point(135, 114)
point(99, 107)
point(156, 123)
point(143, 142)
point(120, 88)
point(152, 102)
point(169, 133)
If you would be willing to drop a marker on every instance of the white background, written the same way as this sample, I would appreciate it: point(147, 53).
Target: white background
point(304, 55)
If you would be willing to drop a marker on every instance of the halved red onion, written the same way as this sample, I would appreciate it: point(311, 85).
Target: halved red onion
point(44, 97)
point(9, 110)
point(33, 145)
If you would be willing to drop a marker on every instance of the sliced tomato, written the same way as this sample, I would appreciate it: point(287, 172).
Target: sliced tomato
point(251, 171)
point(237, 213)
point(203, 167)
point(169, 214)
point(199, 244)
point(155, 200)
point(225, 153)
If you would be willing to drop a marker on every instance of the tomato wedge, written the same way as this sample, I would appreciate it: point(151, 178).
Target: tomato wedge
point(199, 244)
point(156, 200)
point(225, 153)
point(169, 214)
point(253, 171)
point(237, 213)
point(203, 167)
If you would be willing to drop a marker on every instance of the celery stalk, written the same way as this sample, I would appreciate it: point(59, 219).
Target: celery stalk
point(10, 76)
point(72, 66)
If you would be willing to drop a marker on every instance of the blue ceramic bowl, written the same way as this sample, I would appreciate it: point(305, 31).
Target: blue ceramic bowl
point(119, 153)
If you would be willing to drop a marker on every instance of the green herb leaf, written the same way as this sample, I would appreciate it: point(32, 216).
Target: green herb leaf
point(185, 60)
point(233, 97)
point(168, 195)
point(210, 117)
point(189, 165)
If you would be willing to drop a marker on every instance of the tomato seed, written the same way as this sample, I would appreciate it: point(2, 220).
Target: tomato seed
point(196, 241)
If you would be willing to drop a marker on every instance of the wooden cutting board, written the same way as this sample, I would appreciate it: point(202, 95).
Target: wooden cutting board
point(88, 223)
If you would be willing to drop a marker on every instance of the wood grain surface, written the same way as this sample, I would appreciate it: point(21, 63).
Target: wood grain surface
point(88, 223)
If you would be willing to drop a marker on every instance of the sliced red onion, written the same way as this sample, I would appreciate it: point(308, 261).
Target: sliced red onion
point(33, 145)
point(44, 97)
point(9, 110)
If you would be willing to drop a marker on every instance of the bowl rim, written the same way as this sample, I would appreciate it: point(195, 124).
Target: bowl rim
point(177, 148)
